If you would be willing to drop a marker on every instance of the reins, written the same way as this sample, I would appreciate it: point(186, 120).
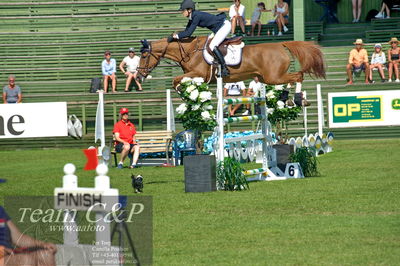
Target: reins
point(184, 55)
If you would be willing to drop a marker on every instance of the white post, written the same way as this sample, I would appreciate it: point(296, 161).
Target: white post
point(320, 111)
point(102, 182)
point(220, 119)
point(70, 181)
point(305, 115)
point(100, 134)
point(170, 112)
point(264, 129)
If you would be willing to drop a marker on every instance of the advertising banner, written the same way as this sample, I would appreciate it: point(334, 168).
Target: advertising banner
point(33, 120)
point(364, 108)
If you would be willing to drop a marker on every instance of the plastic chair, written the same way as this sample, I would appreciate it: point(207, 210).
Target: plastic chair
point(184, 142)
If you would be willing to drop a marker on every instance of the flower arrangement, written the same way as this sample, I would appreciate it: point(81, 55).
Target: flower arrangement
point(279, 113)
point(196, 113)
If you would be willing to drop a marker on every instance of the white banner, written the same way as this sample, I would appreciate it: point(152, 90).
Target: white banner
point(364, 108)
point(33, 120)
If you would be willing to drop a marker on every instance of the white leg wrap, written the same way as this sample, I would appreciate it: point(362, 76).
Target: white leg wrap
point(298, 87)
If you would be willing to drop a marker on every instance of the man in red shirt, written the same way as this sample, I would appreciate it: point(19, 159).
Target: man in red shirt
point(124, 133)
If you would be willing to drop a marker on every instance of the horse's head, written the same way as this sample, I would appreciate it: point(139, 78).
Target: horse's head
point(150, 57)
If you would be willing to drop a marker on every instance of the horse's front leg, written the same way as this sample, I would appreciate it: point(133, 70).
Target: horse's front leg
point(177, 80)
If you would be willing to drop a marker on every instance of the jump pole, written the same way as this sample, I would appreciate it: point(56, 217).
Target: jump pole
point(320, 111)
point(220, 118)
point(305, 118)
point(269, 170)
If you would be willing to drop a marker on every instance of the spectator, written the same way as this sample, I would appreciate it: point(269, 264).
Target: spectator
point(378, 60)
point(255, 18)
point(12, 92)
point(358, 61)
point(131, 61)
point(27, 251)
point(124, 133)
point(236, 13)
point(357, 6)
point(109, 68)
point(254, 90)
point(282, 16)
point(394, 59)
point(232, 90)
point(387, 6)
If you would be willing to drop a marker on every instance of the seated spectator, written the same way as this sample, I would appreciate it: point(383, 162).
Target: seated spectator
point(125, 141)
point(357, 8)
point(378, 60)
point(109, 68)
point(131, 61)
point(358, 61)
point(281, 13)
point(17, 248)
point(236, 13)
point(254, 90)
point(12, 92)
point(255, 18)
point(233, 90)
point(394, 59)
point(387, 6)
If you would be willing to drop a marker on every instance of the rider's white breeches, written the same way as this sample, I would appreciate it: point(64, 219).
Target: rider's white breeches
point(221, 34)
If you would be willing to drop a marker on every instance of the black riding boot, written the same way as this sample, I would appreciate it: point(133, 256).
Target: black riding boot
point(221, 60)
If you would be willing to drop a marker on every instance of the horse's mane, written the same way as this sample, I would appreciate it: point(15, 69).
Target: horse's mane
point(187, 39)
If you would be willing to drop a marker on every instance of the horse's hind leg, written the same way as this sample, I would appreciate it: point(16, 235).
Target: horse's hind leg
point(291, 78)
point(286, 78)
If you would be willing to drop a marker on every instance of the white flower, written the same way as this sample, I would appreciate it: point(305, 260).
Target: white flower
point(270, 110)
point(280, 104)
point(193, 95)
point(205, 96)
point(270, 94)
point(278, 87)
point(190, 88)
point(198, 81)
point(181, 108)
point(209, 107)
point(206, 115)
point(185, 79)
point(195, 107)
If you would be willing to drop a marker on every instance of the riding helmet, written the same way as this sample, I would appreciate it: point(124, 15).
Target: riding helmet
point(187, 4)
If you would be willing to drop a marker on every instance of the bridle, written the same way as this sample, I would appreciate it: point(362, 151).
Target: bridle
point(184, 55)
point(146, 68)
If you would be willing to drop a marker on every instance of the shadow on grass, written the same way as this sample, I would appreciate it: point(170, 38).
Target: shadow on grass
point(165, 182)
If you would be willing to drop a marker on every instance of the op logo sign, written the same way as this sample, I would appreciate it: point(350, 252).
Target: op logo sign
point(364, 108)
point(356, 109)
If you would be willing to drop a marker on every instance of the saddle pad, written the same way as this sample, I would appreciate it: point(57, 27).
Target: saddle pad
point(233, 56)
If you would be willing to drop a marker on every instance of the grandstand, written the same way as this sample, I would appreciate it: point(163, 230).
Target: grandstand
point(56, 48)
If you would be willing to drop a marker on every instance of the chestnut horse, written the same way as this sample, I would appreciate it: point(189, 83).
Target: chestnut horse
point(269, 61)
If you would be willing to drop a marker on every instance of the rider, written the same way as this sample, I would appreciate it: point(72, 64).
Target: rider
point(216, 23)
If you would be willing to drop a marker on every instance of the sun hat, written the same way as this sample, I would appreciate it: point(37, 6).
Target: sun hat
point(358, 41)
point(378, 45)
point(393, 39)
point(123, 111)
point(131, 49)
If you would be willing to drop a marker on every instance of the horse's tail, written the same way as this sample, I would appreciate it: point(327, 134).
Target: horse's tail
point(309, 55)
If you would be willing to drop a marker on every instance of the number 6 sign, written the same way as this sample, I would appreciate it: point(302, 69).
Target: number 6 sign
point(293, 170)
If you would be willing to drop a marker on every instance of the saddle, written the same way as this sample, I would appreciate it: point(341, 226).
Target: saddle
point(223, 47)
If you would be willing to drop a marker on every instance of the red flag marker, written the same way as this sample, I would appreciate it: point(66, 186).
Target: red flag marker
point(92, 161)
